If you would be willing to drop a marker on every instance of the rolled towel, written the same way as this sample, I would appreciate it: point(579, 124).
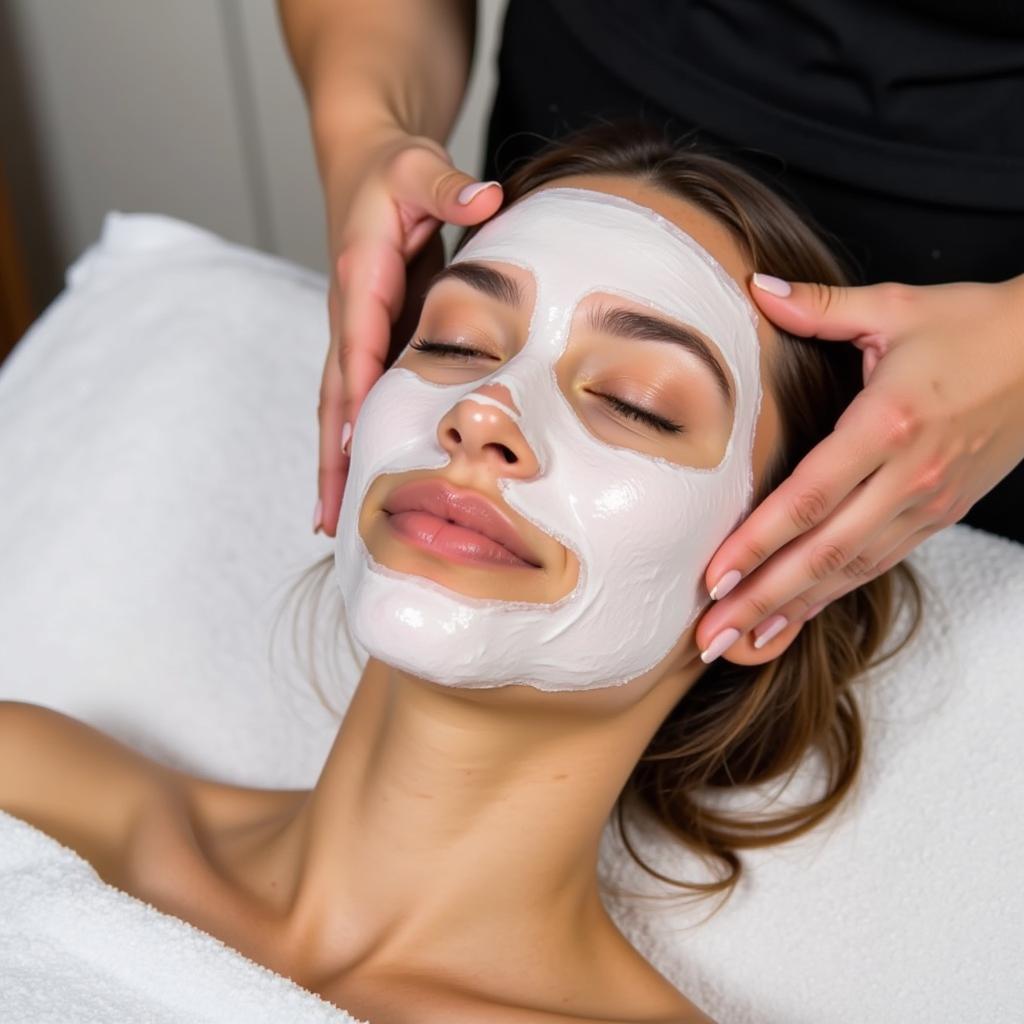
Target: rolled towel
point(75, 949)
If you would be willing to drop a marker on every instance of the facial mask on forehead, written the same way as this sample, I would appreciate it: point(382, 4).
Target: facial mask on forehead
point(642, 528)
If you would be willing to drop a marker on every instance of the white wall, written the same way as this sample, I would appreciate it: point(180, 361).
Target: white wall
point(191, 108)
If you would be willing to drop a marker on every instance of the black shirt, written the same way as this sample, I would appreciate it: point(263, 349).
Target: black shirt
point(896, 128)
point(929, 108)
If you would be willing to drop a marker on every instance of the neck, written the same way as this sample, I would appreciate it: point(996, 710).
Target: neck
point(449, 823)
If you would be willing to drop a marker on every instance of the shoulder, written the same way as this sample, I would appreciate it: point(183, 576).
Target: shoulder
point(72, 781)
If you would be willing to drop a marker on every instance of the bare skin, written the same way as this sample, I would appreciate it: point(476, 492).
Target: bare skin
point(447, 823)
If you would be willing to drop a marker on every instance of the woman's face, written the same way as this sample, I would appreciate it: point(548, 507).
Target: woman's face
point(605, 441)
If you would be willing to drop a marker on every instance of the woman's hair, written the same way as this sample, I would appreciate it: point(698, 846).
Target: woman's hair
point(746, 725)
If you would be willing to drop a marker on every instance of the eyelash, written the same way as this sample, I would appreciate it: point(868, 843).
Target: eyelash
point(442, 348)
point(658, 423)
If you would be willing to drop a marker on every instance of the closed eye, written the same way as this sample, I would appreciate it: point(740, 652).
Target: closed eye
point(462, 352)
point(444, 348)
point(633, 412)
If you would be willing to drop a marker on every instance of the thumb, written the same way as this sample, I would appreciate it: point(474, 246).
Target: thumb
point(427, 179)
point(831, 312)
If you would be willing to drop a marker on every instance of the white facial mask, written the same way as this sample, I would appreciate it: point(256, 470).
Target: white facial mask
point(642, 528)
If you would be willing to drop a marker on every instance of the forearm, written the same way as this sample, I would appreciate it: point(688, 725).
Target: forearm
point(367, 63)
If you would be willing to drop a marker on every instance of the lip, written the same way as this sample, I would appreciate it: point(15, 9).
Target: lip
point(467, 509)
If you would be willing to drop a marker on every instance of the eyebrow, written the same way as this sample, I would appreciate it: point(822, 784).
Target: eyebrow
point(484, 279)
point(617, 321)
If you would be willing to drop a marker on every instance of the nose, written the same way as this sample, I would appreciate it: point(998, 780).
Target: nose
point(483, 432)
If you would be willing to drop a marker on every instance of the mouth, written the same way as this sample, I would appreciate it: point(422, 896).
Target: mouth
point(462, 526)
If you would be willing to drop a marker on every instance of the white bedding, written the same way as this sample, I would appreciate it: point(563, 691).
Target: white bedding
point(157, 474)
point(74, 949)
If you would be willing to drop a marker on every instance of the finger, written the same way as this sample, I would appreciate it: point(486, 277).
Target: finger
point(833, 313)
point(831, 590)
point(333, 465)
point(821, 480)
point(838, 548)
point(923, 507)
point(372, 273)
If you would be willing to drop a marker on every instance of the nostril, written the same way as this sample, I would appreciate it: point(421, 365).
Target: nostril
point(454, 437)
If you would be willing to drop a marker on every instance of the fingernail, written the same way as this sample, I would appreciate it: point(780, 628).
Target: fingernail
point(814, 611)
point(725, 584)
point(774, 285)
point(723, 641)
point(346, 436)
point(775, 625)
point(318, 515)
point(470, 192)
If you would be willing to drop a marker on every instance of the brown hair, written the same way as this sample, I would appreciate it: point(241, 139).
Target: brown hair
point(745, 725)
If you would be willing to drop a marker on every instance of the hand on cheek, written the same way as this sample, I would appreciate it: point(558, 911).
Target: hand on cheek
point(939, 422)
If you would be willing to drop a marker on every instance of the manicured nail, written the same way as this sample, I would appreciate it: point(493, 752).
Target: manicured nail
point(346, 436)
point(814, 611)
point(470, 192)
point(774, 285)
point(318, 515)
point(775, 625)
point(722, 642)
point(725, 584)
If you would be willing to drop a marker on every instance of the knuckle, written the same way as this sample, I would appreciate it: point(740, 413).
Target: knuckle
point(930, 477)
point(860, 568)
point(757, 553)
point(825, 560)
point(808, 508)
point(442, 183)
point(893, 296)
point(937, 507)
point(809, 600)
point(901, 423)
point(757, 607)
point(346, 350)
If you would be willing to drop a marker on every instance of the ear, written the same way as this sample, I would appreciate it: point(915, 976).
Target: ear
point(743, 651)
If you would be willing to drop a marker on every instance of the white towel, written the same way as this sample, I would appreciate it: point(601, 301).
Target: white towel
point(157, 465)
point(74, 950)
point(907, 907)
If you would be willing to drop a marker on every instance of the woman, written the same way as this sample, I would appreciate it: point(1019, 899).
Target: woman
point(444, 865)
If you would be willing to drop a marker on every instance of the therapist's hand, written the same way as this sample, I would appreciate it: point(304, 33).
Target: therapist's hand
point(383, 206)
point(938, 424)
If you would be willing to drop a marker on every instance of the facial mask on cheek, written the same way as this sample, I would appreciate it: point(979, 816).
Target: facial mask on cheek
point(642, 528)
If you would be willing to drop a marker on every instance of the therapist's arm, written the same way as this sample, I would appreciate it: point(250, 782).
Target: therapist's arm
point(384, 80)
point(373, 63)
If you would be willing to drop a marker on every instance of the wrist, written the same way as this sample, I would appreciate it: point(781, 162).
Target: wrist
point(344, 133)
